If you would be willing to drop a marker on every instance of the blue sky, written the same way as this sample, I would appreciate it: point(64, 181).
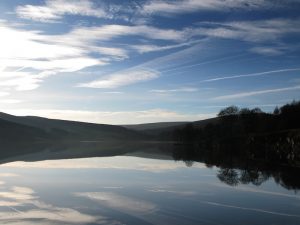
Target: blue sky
point(123, 62)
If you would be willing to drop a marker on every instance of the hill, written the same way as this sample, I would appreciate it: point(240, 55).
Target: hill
point(36, 127)
point(18, 132)
point(165, 129)
point(153, 126)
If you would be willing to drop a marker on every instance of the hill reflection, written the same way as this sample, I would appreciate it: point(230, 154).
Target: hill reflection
point(234, 168)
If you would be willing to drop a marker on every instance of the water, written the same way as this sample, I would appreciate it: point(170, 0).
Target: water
point(140, 187)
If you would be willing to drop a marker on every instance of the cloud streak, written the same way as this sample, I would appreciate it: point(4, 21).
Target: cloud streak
point(183, 89)
point(188, 6)
point(258, 31)
point(35, 52)
point(78, 49)
point(252, 74)
point(54, 10)
point(112, 31)
point(122, 79)
point(253, 93)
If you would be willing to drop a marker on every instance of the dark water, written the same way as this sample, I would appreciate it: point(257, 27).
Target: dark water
point(143, 185)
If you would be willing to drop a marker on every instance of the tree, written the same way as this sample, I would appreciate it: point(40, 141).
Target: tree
point(276, 111)
point(229, 111)
point(256, 110)
point(244, 111)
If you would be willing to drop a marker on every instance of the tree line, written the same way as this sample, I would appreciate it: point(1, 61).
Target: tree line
point(233, 122)
point(256, 134)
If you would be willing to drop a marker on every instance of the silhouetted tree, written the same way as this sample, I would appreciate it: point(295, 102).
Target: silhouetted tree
point(229, 111)
point(244, 111)
point(256, 110)
point(276, 111)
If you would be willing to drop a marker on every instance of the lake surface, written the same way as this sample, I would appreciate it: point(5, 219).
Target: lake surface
point(140, 187)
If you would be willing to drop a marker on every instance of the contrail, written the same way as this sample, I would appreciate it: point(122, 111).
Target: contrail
point(252, 93)
point(250, 209)
point(204, 63)
point(250, 74)
point(20, 69)
point(14, 209)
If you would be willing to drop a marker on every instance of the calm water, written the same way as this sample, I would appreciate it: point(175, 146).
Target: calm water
point(136, 187)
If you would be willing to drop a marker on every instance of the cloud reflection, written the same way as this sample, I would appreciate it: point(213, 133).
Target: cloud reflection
point(64, 215)
point(8, 175)
point(24, 208)
point(119, 202)
point(249, 209)
point(117, 162)
point(183, 193)
point(18, 193)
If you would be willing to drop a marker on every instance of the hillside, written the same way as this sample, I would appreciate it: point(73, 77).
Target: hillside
point(63, 129)
point(10, 131)
point(164, 129)
point(150, 126)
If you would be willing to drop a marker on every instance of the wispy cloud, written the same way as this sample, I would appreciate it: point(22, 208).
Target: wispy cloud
point(28, 82)
point(122, 79)
point(84, 47)
point(51, 54)
point(3, 93)
point(184, 6)
point(269, 51)
point(252, 74)
point(73, 51)
point(35, 52)
point(183, 89)
point(252, 31)
point(53, 10)
point(112, 31)
point(253, 93)
point(155, 48)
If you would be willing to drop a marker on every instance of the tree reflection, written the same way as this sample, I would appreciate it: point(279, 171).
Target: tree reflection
point(237, 168)
point(234, 177)
point(228, 176)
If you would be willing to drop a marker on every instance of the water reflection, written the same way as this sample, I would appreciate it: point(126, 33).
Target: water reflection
point(22, 206)
point(234, 168)
point(142, 183)
point(237, 168)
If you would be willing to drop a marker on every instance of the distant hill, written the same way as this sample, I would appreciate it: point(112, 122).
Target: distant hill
point(149, 126)
point(43, 128)
point(32, 128)
point(19, 132)
point(157, 129)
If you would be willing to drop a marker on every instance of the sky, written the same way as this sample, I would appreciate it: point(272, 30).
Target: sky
point(130, 61)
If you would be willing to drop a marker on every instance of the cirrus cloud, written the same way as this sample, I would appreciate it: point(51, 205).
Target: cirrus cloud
point(53, 10)
point(184, 6)
point(122, 79)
